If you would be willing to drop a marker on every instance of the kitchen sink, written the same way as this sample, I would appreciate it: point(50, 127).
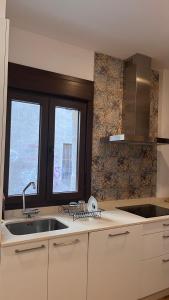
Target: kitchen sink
point(35, 226)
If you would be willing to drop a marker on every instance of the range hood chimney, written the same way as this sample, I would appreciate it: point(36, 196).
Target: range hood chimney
point(136, 103)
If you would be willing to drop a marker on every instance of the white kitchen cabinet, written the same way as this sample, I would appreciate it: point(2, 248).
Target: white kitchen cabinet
point(24, 271)
point(113, 264)
point(67, 275)
point(155, 275)
point(155, 227)
point(154, 258)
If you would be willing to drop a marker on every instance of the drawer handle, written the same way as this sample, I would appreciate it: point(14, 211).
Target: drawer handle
point(118, 234)
point(17, 251)
point(165, 224)
point(165, 236)
point(76, 241)
point(165, 260)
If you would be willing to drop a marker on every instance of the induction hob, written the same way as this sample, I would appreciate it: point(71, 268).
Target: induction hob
point(146, 210)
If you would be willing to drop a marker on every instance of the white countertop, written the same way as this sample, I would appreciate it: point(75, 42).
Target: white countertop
point(111, 218)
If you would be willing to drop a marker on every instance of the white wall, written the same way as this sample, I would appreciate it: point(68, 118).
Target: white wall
point(2, 8)
point(163, 127)
point(4, 31)
point(38, 51)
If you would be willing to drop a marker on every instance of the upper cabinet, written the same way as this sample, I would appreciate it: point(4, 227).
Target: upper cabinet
point(4, 32)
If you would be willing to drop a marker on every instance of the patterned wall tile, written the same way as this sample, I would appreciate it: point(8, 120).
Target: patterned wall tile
point(120, 171)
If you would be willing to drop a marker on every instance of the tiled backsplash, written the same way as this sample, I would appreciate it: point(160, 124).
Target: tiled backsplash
point(120, 171)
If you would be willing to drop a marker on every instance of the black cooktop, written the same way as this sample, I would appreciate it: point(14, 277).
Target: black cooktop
point(146, 210)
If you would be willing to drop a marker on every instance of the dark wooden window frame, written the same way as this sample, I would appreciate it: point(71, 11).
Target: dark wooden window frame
point(60, 88)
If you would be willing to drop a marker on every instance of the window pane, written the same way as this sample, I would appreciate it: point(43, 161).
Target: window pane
point(65, 177)
point(24, 146)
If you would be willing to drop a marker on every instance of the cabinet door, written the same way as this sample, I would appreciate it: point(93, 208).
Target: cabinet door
point(24, 271)
point(155, 275)
point(113, 264)
point(67, 277)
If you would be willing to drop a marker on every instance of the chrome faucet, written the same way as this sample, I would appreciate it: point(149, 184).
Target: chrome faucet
point(29, 211)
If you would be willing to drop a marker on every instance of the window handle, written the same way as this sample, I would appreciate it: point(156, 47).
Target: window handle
point(51, 150)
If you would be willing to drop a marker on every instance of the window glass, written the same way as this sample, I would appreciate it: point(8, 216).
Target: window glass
point(66, 141)
point(24, 146)
point(67, 161)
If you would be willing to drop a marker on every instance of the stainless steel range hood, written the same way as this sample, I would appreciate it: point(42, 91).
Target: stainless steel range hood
point(136, 103)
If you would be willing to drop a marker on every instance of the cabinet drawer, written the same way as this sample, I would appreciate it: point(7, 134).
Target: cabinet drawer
point(155, 244)
point(154, 275)
point(155, 227)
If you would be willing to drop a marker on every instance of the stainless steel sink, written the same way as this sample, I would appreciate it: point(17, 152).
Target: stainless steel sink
point(35, 226)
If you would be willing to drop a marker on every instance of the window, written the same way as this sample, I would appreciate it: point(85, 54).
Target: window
point(45, 144)
point(48, 137)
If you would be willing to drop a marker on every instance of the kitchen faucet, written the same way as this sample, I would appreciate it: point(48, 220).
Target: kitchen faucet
point(29, 211)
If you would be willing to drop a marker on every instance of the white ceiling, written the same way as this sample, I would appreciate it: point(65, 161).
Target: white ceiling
point(116, 27)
